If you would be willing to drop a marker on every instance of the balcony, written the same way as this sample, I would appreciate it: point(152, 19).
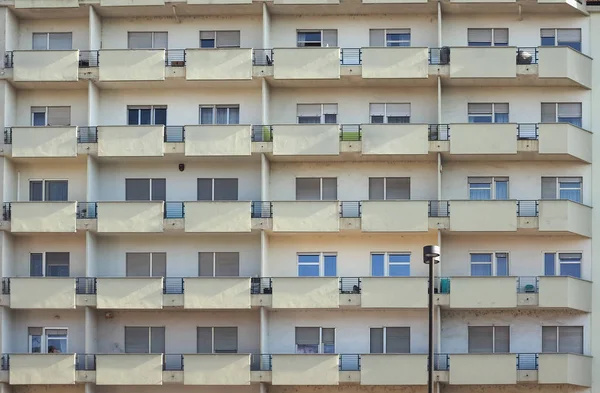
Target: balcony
point(45, 65)
point(306, 140)
point(483, 216)
point(397, 63)
point(216, 293)
point(565, 292)
point(217, 369)
point(218, 217)
point(305, 369)
point(46, 4)
point(132, 65)
point(218, 140)
point(42, 369)
point(306, 216)
point(393, 292)
point(41, 142)
point(394, 139)
point(562, 216)
point(306, 63)
point(382, 216)
point(563, 139)
point(305, 292)
point(218, 64)
point(474, 369)
point(49, 293)
point(565, 63)
point(483, 62)
point(564, 368)
point(483, 292)
point(129, 369)
point(128, 217)
point(131, 141)
point(483, 139)
point(385, 369)
point(130, 293)
point(32, 217)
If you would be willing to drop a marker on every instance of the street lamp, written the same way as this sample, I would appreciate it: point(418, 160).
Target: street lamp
point(431, 256)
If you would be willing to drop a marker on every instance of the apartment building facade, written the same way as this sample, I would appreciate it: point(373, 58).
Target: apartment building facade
point(234, 196)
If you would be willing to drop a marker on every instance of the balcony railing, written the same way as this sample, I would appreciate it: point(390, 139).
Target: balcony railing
point(350, 132)
point(85, 285)
point(5, 363)
point(261, 362)
point(85, 362)
point(175, 58)
point(527, 131)
point(262, 209)
point(441, 362)
point(442, 285)
point(350, 285)
point(351, 56)
point(173, 285)
point(175, 134)
point(174, 210)
point(439, 56)
point(87, 134)
point(8, 59)
point(439, 132)
point(87, 210)
point(350, 209)
point(527, 361)
point(261, 286)
point(349, 362)
point(527, 284)
point(172, 362)
point(262, 57)
point(262, 133)
point(6, 286)
point(7, 135)
point(439, 208)
point(527, 208)
point(89, 58)
point(6, 211)
point(527, 56)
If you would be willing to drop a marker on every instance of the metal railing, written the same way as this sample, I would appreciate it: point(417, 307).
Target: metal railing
point(175, 58)
point(6, 210)
point(349, 362)
point(439, 56)
point(350, 132)
point(173, 285)
point(350, 285)
point(439, 208)
point(351, 56)
point(261, 286)
point(85, 362)
point(85, 285)
point(350, 209)
point(527, 208)
point(89, 58)
point(7, 135)
point(441, 362)
point(261, 362)
point(174, 210)
point(87, 134)
point(527, 131)
point(439, 132)
point(527, 361)
point(87, 210)
point(262, 57)
point(174, 134)
point(262, 133)
point(527, 284)
point(527, 56)
point(6, 286)
point(9, 59)
point(5, 364)
point(172, 362)
point(262, 209)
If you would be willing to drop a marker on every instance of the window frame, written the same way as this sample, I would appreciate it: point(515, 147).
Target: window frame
point(387, 263)
point(558, 180)
point(492, 114)
point(322, 115)
point(214, 263)
point(149, 337)
point(152, 33)
point(493, 337)
point(557, 327)
point(152, 108)
point(385, 188)
point(214, 108)
point(493, 187)
point(321, 263)
point(44, 339)
point(557, 118)
point(151, 253)
point(555, 37)
point(212, 188)
point(212, 330)
point(321, 34)
point(493, 37)
point(558, 262)
point(493, 263)
point(44, 181)
point(320, 188)
point(150, 183)
point(321, 345)
point(44, 258)
point(46, 113)
point(47, 34)
point(384, 341)
point(215, 39)
point(386, 118)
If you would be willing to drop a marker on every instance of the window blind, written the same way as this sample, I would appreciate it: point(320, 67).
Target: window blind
point(376, 340)
point(397, 340)
point(40, 41)
point(502, 339)
point(59, 115)
point(159, 264)
point(479, 35)
point(161, 40)
point(479, 180)
point(139, 40)
point(137, 189)
point(376, 38)
point(205, 190)
point(568, 35)
point(570, 339)
point(159, 189)
point(548, 113)
point(377, 109)
point(57, 264)
point(35, 331)
point(60, 41)
point(569, 110)
point(56, 190)
point(547, 33)
point(480, 109)
point(398, 109)
point(308, 189)
point(226, 339)
point(137, 264)
point(136, 340)
point(328, 336)
point(549, 339)
point(307, 335)
point(227, 264)
point(501, 108)
point(501, 36)
point(376, 188)
point(226, 189)
point(157, 340)
point(329, 188)
point(397, 188)
point(204, 340)
point(481, 339)
point(205, 264)
point(308, 110)
point(329, 38)
point(330, 109)
point(228, 39)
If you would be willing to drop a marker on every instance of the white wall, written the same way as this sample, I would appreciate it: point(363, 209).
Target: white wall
point(181, 186)
point(181, 35)
point(73, 320)
point(76, 99)
point(78, 28)
point(183, 105)
point(524, 102)
point(525, 179)
point(352, 328)
point(353, 178)
point(182, 252)
point(72, 243)
point(526, 253)
point(172, 388)
point(180, 328)
point(353, 103)
point(353, 252)
point(12, 30)
point(525, 328)
point(73, 170)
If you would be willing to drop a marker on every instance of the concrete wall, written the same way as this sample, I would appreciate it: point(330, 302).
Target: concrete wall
point(76, 99)
point(24, 245)
point(73, 172)
point(78, 27)
point(73, 320)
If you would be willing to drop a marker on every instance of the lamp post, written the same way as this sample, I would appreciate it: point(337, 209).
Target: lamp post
point(431, 256)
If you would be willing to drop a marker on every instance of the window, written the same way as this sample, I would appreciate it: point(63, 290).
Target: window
point(48, 190)
point(52, 41)
point(317, 265)
point(393, 264)
point(486, 188)
point(217, 339)
point(317, 113)
point(145, 189)
point(563, 187)
point(487, 37)
point(389, 188)
point(488, 113)
point(315, 340)
point(48, 340)
point(485, 264)
point(389, 37)
point(567, 264)
point(320, 38)
point(42, 116)
point(489, 339)
point(389, 113)
point(316, 188)
point(218, 264)
point(49, 264)
point(390, 340)
point(562, 339)
point(217, 189)
point(143, 339)
point(147, 40)
point(561, 37)
point(146, 264)
point(219, 114)
point(220, 39)
point(146, 115)
point(562, 113)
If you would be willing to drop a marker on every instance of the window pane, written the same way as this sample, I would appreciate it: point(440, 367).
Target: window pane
point(329, 188)
point(308, 270)
point(226, 190)
point(226, 339)
point(376, 188)
point(206, 115)
point(376, 340)
point(137, 340)
point(36, 265)
point(205, 190)
point(204, 340)
point(329, 268)
point(222, 115)
point(160, 116)
point(548, 113)
point(133, 117)
point(481, 339)
point(137, 264)
point(145, 116)
point(570, 339)
point(39, 119)
point(36, 192)
point(399, 270)
point(137, 189)
point(205, 264)
point(159, 264)
point(159, 189)
point(57, 190)
point(234, 115)
point(157, 340)
point(549, 339)
point(549, 264)
point(377, 265)
point(570, 269)
point(480, 191)
point(502, 337)
point(308, 189)
point(57, 264)
point(502, 264)
point(501, 190)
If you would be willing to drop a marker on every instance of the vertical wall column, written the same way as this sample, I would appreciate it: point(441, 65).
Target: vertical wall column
point(95, 29)
point(93, 104)
point(265, 102)
point(266, 25)
point(91, 338)
point(91, 191)
point(9, 191)
point(11, 30)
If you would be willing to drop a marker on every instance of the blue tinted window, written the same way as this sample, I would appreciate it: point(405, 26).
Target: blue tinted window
point(547, 41)
point(39, 119)
point(576, 121)
point(481, 269)
point(377, 265)
point(160, 116)
point(314, 258)
point(207, 43)
point(399, 270)
point(146, 116)
point(399, 258)
point(549, 266)
point(480, 119)
point(570, 269)
point(502, 265)
point(308, 270)
point(329, 268)
point(501, 117)
point(574, 45)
